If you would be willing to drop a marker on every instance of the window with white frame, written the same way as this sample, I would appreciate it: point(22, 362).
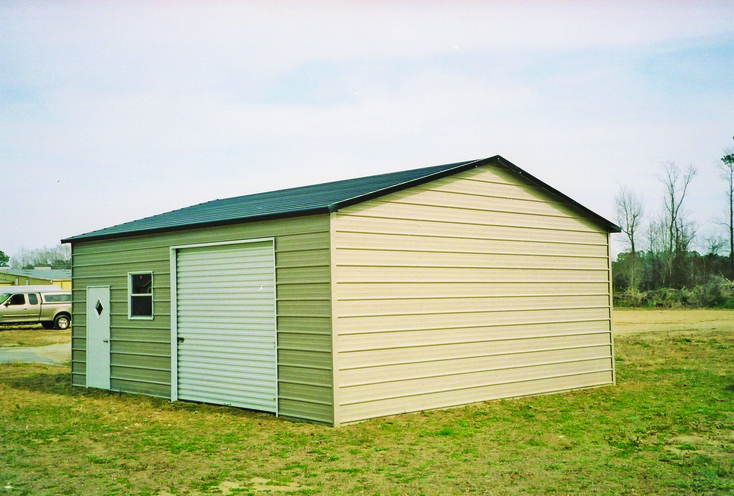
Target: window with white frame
point(140, 299)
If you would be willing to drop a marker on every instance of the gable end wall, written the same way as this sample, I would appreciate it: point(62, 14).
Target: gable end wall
point(469, 288)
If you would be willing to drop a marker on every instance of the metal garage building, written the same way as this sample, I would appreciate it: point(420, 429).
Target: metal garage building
point(355, 299)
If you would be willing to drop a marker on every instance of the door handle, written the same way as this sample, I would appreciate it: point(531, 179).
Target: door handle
point(105, 340)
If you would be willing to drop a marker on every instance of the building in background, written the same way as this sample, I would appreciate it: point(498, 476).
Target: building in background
point(37, 276)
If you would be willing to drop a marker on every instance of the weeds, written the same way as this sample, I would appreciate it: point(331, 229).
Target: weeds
point(719, 293)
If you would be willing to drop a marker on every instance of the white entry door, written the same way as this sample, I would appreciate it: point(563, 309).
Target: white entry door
point(98, 337)
point(225, 325)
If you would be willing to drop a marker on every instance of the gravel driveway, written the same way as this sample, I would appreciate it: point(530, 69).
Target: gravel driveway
point(55, 354)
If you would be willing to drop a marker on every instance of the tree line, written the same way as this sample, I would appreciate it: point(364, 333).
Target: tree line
point(56, 257)
point(660, 266)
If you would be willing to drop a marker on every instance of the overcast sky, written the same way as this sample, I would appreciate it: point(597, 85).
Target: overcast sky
point(114, 111)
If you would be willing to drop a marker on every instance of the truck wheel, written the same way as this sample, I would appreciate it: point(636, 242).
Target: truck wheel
point(47, 325)
point(62, 322)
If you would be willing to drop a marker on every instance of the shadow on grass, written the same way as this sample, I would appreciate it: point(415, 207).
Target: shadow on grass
point(54, 382)
point(58, 382)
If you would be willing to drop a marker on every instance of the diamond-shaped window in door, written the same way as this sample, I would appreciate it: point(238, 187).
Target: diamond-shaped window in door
point(99, 307)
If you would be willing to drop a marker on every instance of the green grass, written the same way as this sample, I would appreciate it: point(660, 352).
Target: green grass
point(667, 427)
point(31, 335)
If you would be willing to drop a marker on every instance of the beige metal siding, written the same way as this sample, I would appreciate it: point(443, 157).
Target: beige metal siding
point(141, 350)
point(472, 287)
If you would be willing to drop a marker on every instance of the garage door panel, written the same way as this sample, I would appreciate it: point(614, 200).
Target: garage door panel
point(222, 287)
point(252, 317)
point(223, 256)
point(207, 282)
point(252, 312)
point(225, 339)
point(205, 394)
point(251, 381)
point(254, 352)
point(204, 278)
point(250, 358)
point(226, 330)
point(225, 298)
point(252, 369)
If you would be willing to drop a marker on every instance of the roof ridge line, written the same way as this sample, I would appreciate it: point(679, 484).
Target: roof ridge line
point(333, 207)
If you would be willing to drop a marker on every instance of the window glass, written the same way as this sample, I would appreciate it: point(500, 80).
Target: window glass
point(32, 299)
point(141, 295)
point(17, 299)
point(55, 298)
point(141, 283)
point(141, 306)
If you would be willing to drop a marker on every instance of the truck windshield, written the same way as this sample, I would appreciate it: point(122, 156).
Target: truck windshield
point(4, 297)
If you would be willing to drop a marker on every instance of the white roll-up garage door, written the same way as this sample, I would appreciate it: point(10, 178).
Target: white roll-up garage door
point(225, 325)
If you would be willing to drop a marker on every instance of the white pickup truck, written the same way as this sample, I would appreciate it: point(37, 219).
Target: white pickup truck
point(49, 306)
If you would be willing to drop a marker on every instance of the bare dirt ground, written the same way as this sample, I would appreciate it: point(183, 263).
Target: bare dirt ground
point(635, 320)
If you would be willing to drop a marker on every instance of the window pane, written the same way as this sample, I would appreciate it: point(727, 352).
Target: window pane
point(17, 299)
point(33, 299)
point(53, 298)
point(141, 306)
point(142, 283)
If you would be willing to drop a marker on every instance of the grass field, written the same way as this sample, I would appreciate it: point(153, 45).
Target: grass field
point(32, 335)
point(667, 427)
point(662, 321)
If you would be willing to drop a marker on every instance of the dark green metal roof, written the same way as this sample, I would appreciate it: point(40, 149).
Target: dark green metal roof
point(307, 200)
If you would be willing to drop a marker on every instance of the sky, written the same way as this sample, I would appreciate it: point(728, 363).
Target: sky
point(114, 111)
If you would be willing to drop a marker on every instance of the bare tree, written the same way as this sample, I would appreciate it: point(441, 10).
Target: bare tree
point(679, 231)
point(630, 211)
point(712, 242)
point(655, 235)
point(726, 172)
point(57, 257)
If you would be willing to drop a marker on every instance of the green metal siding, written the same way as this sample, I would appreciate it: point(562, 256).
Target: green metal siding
point(141, 349)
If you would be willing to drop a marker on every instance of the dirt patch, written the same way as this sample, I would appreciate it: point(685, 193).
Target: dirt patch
point(258, 484)
point(717, 447)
